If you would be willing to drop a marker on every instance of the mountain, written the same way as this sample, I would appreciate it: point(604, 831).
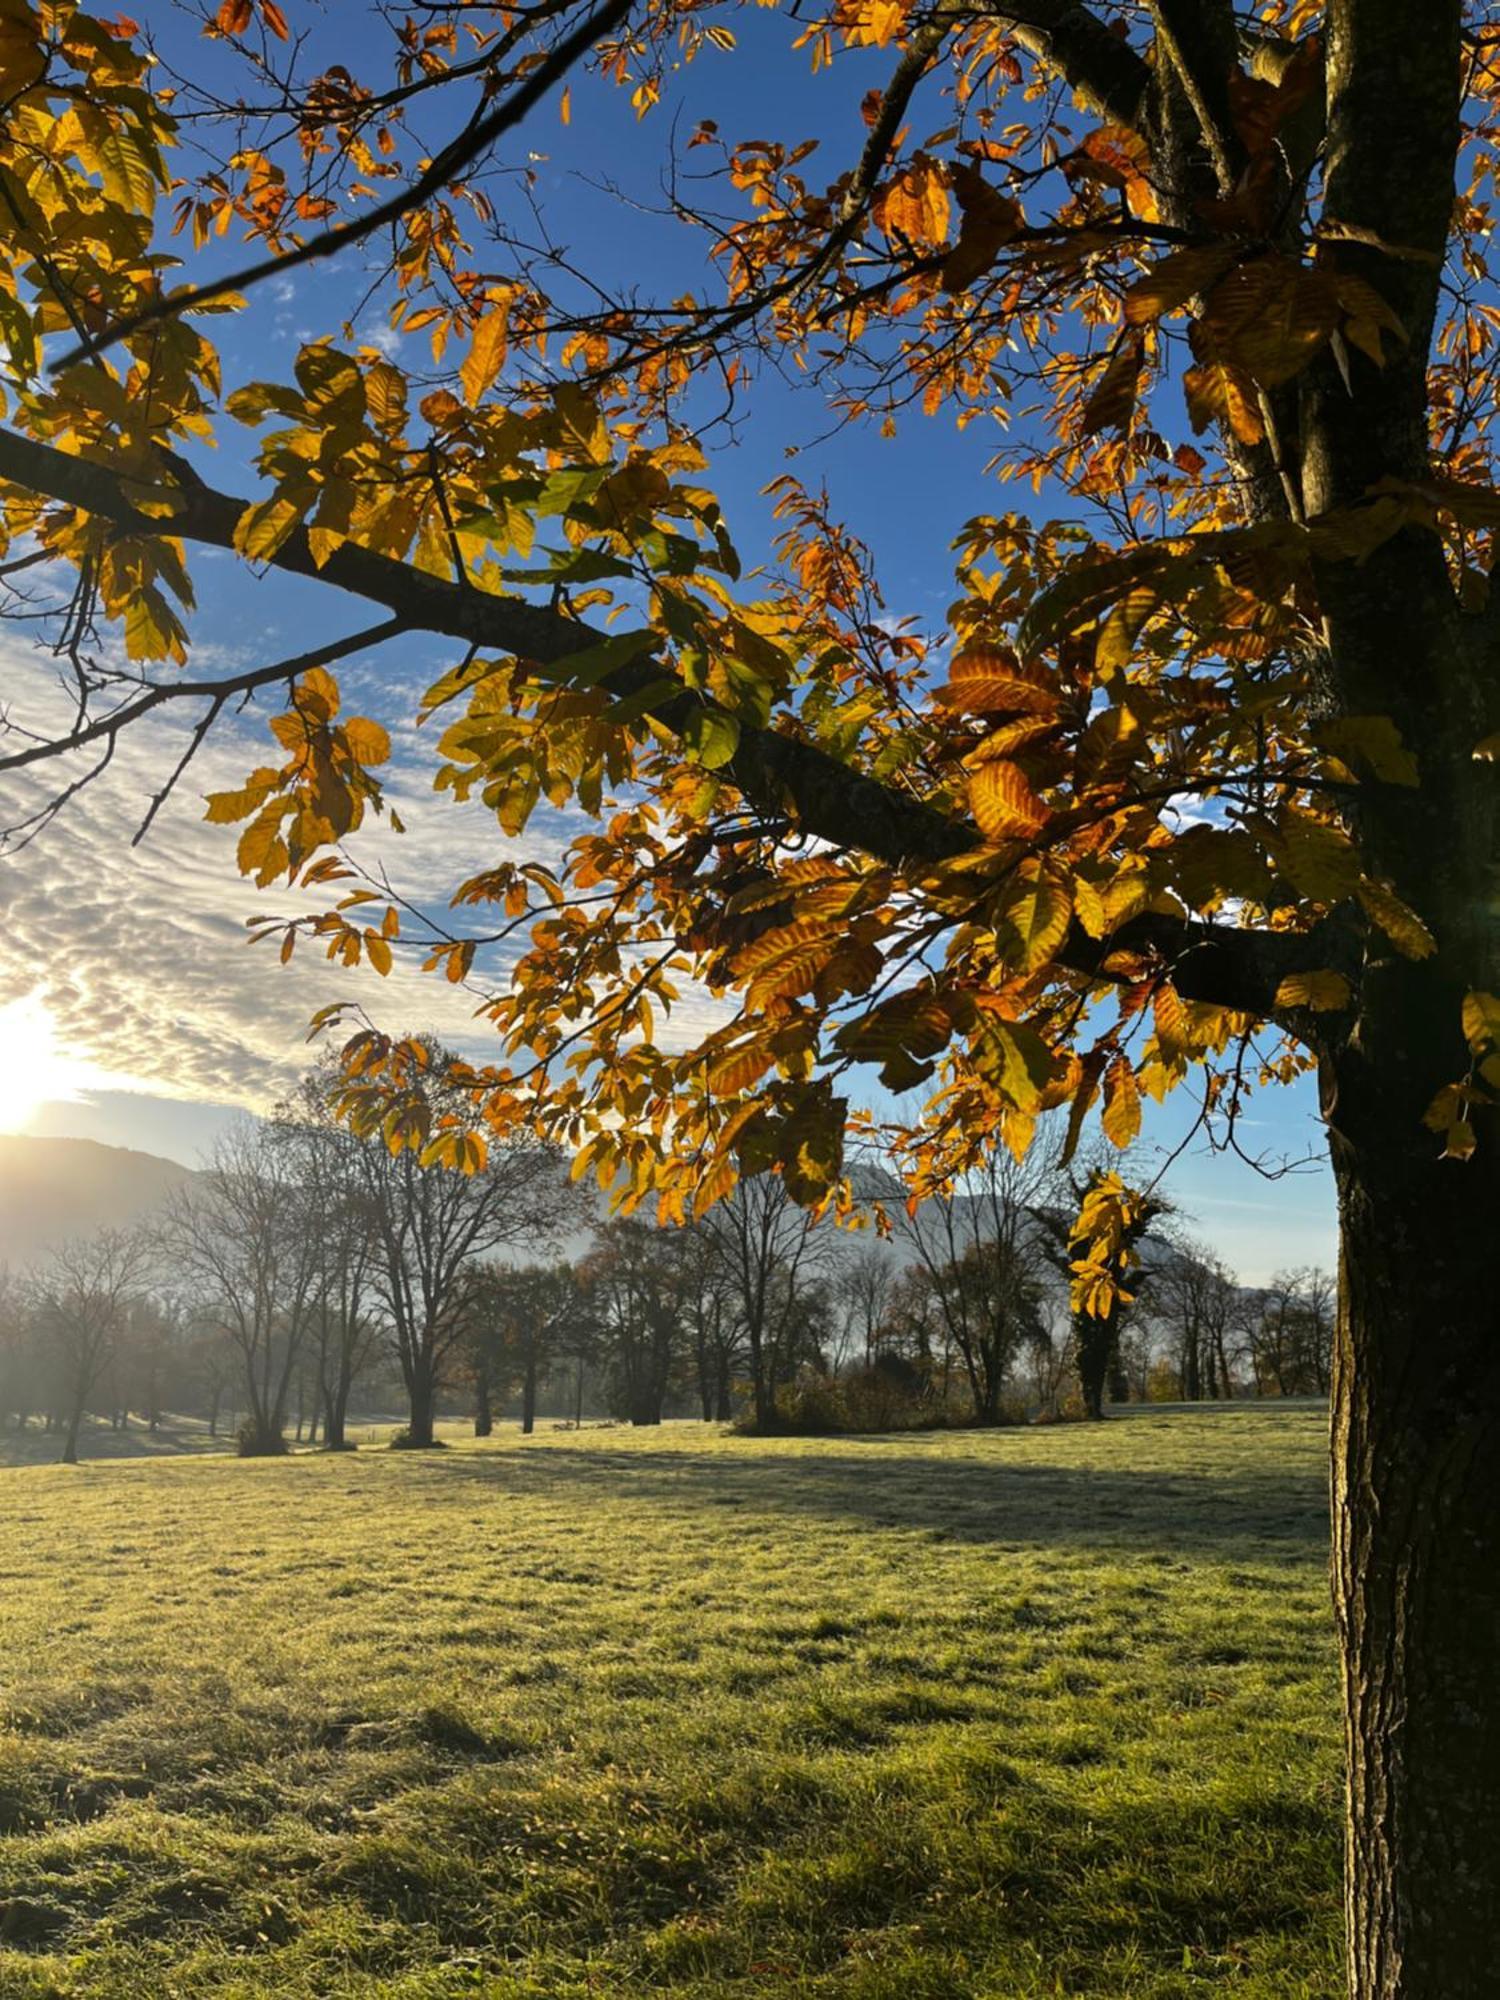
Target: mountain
point(51, 1189)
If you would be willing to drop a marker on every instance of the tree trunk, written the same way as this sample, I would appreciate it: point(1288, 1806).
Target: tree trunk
point(213, 1413)
point(70, 1443)
point(723, 1399)
point(1416, 1515)
point(1092, 1340)
point(763, 1389)
point(1118, 1380)
point(422, 1392)
point(484, 1415)
point(1192, 1385)
point(578, 1398)
point(333, 1424)
point(528, 1396)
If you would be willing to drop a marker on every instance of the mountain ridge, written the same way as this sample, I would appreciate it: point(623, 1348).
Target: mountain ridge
point(53, 1189)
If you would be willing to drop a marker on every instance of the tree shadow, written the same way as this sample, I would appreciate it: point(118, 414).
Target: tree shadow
point(1230, 1513)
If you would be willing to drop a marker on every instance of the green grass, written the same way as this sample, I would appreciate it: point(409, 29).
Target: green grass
point(1038, 1712)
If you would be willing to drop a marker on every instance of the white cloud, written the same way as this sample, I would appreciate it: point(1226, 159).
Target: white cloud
point(140, 954)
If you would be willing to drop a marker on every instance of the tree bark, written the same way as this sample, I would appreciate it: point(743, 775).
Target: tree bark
point(422, 1395)
point(1092, 1338)
point(484, 1415)
point(70, 1443)
point(528, 1396)
point(1416, 1511)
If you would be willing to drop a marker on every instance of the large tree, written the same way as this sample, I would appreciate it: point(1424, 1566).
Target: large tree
point(1275, 216)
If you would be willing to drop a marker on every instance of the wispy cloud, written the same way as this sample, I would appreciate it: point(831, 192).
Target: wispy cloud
point(140, 954)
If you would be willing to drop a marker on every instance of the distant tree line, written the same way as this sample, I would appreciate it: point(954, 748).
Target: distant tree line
point(307, 1270)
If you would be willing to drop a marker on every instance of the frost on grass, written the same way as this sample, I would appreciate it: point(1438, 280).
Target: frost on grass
point(1018, 1713)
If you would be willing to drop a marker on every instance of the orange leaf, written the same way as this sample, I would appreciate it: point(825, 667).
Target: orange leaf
point(1003, 802)
point(1219, 393)
point(986, 680)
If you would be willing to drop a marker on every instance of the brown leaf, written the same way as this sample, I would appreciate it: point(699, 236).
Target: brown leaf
point(1112, 402)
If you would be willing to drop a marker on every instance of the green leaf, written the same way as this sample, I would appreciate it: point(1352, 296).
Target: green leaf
point(712, 737)
point(594, 663)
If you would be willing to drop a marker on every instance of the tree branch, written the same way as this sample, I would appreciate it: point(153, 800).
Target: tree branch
point(477, 136)
point(1109, 75)
point(778, 774)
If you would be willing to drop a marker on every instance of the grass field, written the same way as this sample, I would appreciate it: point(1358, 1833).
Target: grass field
point(1030, 1713)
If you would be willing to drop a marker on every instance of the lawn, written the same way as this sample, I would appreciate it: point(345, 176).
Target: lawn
point(1028, 1713)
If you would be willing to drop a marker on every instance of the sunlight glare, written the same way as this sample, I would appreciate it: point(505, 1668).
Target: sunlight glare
point(34, 1069)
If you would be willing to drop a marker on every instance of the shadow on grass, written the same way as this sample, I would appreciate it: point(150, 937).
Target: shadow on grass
point(1227, 1514)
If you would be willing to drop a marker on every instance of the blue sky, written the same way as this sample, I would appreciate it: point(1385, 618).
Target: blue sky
point(162, 1020)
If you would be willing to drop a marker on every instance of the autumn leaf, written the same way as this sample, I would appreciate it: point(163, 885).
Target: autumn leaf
point(988, 221)
point(1111, 402)
point(1003, 802)
point(991, 680)
point(1401, 925)
point(1323, 992)
point(1219, 393)
point(1121, 1116)
point(915, 205)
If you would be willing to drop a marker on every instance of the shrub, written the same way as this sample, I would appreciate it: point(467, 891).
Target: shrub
point(250, 1441)
point(884, 1397)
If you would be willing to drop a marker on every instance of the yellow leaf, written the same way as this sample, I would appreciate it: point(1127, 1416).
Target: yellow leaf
point(1039, 916)
point(1219, 393)
point(487, 352)
point(1121, 1116)
point(1402, 926)
point(1112, 401)
point(1481, 1016)
point(1323, 992)
point(324, 542)
point(262, 528)
point(1168, 285)
point(368, 742)
point(915, 204)
point(1003, 802)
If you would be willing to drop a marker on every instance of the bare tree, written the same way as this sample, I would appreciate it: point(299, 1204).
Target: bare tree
point(17, 1335)
point(242, 1240)
point(1291, 1334)
point(769, 1250)
point(866, 1279)
point(85, 1291)
point(979, 1247)
point(1194, 1299)
point(431, 1222)
point(713, 1325)
point(639, 1279)
point(525, 1319)
point(343, 1218)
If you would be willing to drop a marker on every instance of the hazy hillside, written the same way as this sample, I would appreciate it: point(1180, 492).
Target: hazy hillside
point(55, 1188)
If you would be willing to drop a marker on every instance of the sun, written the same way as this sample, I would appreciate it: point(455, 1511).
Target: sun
point(34, 1069)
